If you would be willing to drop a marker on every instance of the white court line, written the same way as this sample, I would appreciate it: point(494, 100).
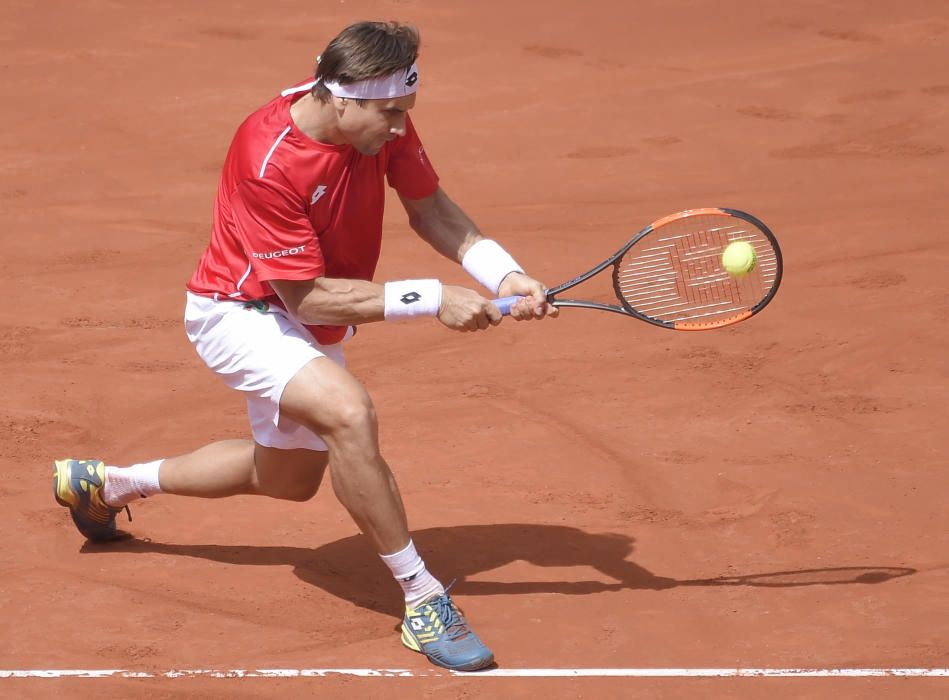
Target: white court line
point(496, 673)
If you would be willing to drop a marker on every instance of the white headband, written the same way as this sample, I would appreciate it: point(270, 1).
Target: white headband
point(398, 84)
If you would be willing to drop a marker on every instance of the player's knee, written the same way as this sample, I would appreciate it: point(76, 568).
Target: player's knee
point(300, 489)
point(351, 418)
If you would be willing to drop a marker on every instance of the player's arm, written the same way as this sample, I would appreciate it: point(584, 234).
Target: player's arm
point(439, 221)
point(346, 302)
point(442, 224)
point(330, 301)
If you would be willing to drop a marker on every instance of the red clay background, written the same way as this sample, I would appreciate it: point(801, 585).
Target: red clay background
point(607, 493)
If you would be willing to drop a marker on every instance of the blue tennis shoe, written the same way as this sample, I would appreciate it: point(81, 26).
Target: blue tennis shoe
point(437, 628)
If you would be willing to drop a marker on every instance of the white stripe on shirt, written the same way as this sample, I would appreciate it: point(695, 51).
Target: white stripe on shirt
point(273, 148)
point(299, 88)
point(240, 282)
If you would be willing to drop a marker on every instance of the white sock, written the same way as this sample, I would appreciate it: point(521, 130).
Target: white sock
point(409, 570)
point(126, 484)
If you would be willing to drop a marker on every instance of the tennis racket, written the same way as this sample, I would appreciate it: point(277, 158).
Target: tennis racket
point(670, 274)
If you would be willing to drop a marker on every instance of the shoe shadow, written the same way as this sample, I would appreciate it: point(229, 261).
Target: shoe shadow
point(349, 569)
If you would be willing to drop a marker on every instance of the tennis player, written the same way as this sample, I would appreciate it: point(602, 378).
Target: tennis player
point(284, 282)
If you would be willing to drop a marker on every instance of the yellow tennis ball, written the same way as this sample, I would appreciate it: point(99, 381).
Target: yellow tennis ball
point(739, 258)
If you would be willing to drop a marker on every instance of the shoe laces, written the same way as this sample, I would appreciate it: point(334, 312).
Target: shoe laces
point(455, 624)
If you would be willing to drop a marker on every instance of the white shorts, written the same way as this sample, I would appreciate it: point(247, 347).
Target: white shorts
point(258, 353)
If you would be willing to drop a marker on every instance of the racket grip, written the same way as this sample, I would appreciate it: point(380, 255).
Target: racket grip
point(505, 304)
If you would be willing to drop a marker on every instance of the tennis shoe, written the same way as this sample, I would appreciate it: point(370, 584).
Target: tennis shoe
point(437, 628)
point(77, 485)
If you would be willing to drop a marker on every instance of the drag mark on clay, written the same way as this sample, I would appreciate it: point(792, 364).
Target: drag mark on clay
point(870, 96)
point(878, 280)
point(768, 113)
point(144, 322)
point(661, 140)
point(157, 366)
point(850, 35)
point(553, 51)
point(594, 152)
point(839, 406)
point(859, 149)
point(90, 257)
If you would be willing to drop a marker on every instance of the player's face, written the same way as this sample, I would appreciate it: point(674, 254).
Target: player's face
point(368, 126)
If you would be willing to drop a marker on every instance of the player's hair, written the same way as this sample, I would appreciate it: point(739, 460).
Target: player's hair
point(365, 50)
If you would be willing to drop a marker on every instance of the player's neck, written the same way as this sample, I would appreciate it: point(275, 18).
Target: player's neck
point(317, 120)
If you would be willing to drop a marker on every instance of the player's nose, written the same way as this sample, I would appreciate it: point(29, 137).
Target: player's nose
point(397, 128)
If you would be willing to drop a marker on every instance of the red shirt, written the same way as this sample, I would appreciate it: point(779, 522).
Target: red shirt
point(291, 208)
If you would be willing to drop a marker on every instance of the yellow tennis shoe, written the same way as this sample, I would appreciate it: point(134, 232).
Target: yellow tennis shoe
point(77, 485)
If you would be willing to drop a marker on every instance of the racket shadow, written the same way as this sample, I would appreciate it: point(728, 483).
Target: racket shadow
point(834, 576)
point(350, 570)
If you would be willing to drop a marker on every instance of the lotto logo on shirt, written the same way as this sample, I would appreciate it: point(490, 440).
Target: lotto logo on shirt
point(279, 253)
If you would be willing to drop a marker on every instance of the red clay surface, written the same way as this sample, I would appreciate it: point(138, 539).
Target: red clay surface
point(589, 481)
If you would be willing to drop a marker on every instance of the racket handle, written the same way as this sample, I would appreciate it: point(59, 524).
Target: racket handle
point(505, 304)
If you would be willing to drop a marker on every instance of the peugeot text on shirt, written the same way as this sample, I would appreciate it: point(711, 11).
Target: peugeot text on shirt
point(280, 253)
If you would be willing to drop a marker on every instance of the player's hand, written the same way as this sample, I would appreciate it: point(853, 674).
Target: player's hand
point(465, 310)
point(534, 304)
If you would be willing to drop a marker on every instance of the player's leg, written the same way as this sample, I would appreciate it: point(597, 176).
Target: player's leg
point(331, 402)
point(233, 467)
point(292, 475)
point(95, 493)
point(253, 352)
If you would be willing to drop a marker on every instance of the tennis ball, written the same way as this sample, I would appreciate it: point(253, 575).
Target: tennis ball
point(739, 258)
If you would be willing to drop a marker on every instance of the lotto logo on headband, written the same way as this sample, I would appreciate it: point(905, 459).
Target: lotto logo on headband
point(412, 79)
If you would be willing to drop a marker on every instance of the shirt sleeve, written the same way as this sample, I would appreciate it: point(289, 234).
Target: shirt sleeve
point(275, 232)
point(409, 171)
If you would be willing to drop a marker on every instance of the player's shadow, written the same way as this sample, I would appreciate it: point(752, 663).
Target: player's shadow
point(349, 569)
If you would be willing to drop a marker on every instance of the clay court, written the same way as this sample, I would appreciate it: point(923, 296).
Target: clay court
point(609, 494)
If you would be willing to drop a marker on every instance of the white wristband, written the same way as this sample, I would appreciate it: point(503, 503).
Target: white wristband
point(489, 263)
point(408, 298)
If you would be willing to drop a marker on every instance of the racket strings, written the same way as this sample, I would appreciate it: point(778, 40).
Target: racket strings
point(674, 274)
